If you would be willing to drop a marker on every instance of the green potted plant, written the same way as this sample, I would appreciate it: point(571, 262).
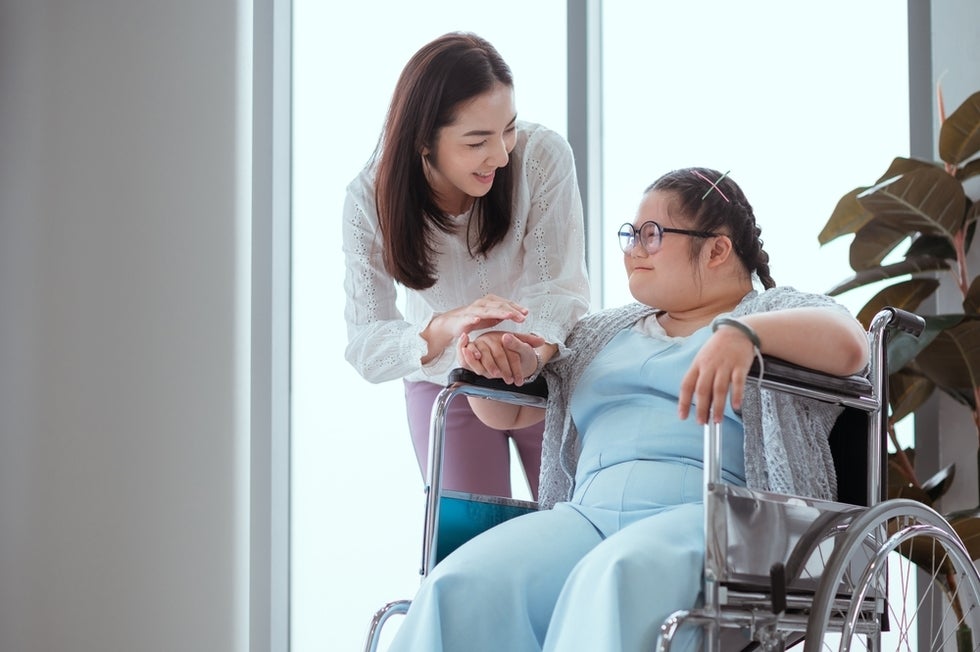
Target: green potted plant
point(922, 206)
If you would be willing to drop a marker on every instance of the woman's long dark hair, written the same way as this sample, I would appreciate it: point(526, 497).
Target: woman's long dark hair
point(441, 76)
point(727, 211)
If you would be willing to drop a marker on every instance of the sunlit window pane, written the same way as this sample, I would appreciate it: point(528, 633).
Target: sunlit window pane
point(356, 491)
point(778, 93)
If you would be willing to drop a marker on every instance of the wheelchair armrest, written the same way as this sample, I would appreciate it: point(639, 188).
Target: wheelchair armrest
point(776, 370)
point(781, 371)
point(537, 388)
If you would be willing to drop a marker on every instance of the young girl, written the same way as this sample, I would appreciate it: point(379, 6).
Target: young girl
point(477, 216)
point(623, 545)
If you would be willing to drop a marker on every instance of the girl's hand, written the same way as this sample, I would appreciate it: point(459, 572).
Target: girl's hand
point(722, 365)
point(497, 354)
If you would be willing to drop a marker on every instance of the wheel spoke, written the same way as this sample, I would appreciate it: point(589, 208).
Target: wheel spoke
point(933, 589)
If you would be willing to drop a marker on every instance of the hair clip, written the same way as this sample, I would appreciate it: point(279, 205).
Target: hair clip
point(714, 186)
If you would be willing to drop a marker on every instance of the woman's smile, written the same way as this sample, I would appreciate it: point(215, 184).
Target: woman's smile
point(485, 178)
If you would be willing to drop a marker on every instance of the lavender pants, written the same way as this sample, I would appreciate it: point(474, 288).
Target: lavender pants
point(477, 458)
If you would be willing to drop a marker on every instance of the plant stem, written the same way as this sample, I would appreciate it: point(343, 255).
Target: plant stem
point(976, 410)
point(959, 244)
point(904, 464)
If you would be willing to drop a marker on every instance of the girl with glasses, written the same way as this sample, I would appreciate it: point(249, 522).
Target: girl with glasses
point(618, 544)
point(476, 217)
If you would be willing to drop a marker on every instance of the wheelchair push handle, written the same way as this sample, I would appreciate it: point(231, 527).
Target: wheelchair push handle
point(539, 387)
point(903, 320)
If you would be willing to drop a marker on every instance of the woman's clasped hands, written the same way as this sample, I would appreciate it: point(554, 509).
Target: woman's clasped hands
point(500, 354)
point(493, 354)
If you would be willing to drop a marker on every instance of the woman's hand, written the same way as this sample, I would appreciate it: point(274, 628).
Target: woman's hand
point(498, 354)
point(485, 312)
point(498, 350)
point(722, 365)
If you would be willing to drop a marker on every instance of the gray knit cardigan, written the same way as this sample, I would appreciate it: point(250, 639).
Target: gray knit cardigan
point(786, 446)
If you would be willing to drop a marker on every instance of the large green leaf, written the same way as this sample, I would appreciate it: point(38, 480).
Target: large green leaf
point(952, 360)
point(969, 170)
point(901, 165)
point(970, 222)
point(966, 523)
point(936, 246)
point(903, 348)
point(925, 200)
point(898, 484)
point(959, 136)
point(911, 265)
point(964, 397)
point(908, 386)
point(900, 490)
point(849, 215)
point(908, 389)
point(873, 242)
point(906, 295)
point(939, 483)
point(971, 304)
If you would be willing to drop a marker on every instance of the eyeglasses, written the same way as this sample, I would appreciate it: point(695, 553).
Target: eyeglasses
point(651, 235)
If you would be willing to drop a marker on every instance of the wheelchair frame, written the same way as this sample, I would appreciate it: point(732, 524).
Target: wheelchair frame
point(801, 584)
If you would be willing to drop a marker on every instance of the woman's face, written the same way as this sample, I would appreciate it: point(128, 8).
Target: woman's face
point(468, 152)
point(664, 279)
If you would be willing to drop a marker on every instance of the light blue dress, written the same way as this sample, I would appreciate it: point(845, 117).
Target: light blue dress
point(602, 571)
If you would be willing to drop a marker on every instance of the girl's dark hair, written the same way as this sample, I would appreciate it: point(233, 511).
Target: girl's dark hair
point(713, 212)
point(447, 72)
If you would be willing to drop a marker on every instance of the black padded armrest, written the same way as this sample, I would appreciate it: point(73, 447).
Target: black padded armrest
point(537, 388)
point(792, 374)
point(775, 370)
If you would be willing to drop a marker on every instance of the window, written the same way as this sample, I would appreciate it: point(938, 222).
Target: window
point(356, 492)
point(768, 90)
point(772, 92)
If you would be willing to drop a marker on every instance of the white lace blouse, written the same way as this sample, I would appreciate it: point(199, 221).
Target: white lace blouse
point(541, 266)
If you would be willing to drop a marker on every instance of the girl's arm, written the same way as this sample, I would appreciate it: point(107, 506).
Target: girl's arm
point(825, 339)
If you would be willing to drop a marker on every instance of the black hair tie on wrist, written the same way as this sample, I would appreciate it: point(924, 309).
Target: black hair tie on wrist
point(749, 333)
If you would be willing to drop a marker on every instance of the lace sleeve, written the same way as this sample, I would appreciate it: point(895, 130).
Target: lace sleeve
point(381, 345)
point(555, 285)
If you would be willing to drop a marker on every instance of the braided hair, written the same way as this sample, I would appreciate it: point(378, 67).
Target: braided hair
point(714, 202)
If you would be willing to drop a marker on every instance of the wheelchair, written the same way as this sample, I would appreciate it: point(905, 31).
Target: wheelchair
point(860, 573)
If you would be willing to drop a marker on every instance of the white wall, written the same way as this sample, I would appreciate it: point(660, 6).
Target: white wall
point(123, 420)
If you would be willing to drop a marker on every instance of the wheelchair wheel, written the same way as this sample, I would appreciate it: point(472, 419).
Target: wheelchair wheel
point(899, 578)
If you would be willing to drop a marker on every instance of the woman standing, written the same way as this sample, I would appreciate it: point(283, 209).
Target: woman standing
point(477, 218)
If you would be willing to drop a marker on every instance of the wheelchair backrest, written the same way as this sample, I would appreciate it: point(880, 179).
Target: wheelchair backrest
point(849, 446)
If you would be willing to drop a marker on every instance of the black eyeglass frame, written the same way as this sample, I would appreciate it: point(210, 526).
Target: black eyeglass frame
point(636, 235)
